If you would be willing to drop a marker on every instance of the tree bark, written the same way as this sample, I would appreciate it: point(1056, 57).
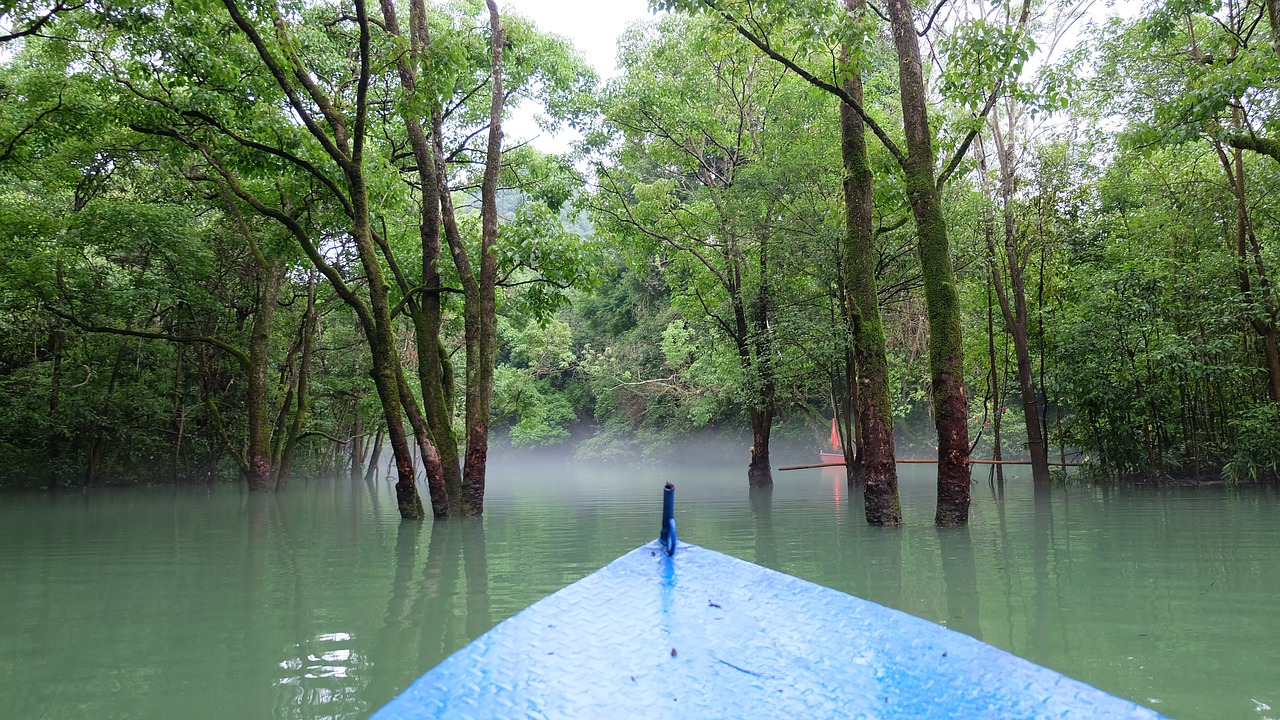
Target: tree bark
point(861, 311)
point(261, 474)
point(848, 413)
point(993, 376)
point(434, 374)
point(480, 320)
point(997, 414)
point(946, 351)
point(55, 406)
point(375, 455)
point(457, 249)
point(386, 363)
point(1013, 310)
point(342, 137)
point(1247, 248)
point(357, 441)
point(302, 384)
point(1016, 318)
point(427, 450)
point(1273, 16)
point(759, 474)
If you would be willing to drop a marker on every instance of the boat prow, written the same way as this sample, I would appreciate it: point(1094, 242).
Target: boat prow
point(699, 634)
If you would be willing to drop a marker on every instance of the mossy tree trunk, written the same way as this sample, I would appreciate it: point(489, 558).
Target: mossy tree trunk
point(261, 469)
point(481, 318)
point(386, 360)
point(341, 132)
point(946, 355)
point(946, 348)
point(759, 473)
point(435, 376)
point(861, 310)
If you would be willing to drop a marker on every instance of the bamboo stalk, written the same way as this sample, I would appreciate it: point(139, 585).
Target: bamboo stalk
point(919, 461)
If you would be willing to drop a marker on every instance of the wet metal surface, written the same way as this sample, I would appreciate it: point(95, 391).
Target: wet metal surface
point(705, 635)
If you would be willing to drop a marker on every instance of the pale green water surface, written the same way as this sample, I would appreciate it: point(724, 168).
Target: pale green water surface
point(320, 603)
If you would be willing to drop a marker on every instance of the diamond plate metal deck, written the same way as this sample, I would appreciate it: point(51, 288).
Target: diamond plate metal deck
point(705, 635)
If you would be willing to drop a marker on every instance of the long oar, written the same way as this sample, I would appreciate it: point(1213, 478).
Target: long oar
point(930, 462)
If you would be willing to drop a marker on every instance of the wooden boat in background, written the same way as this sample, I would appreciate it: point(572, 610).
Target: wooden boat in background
point(673, 630)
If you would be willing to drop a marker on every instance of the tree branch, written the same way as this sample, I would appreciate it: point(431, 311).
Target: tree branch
point(231, 350)
point(40, 22)
point(1265, 146)
point(8, 151)
point(836, 90)
point(291, 92)
point(963, 148)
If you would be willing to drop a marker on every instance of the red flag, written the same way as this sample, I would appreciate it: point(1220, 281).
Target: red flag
point(835, 436)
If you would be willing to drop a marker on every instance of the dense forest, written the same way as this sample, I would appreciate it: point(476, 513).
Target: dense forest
point(259, 240)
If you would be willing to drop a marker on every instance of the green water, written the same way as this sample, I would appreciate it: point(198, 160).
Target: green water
point(181, 603)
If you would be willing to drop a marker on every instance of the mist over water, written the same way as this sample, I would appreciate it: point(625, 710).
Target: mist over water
point(210, 603)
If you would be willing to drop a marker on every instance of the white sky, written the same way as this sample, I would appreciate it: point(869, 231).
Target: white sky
point(593, 26)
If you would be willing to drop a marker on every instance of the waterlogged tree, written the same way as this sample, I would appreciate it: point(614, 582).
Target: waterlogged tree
point(1011, 243)
point(440, 65)
point(700, 175)
point(996, 52)
point(866, 366)
point(108, 241)
point(371, 103)
point(213, 80)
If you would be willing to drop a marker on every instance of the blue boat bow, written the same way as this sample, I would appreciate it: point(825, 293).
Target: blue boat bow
point(699, 634)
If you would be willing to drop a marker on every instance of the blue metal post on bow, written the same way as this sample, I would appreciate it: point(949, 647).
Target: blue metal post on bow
point(668, 536)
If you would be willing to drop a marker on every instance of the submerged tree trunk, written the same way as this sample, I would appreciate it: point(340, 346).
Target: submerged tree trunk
point(753, 347)
point(98, 433)
point(374, 456)
point(427, 450)
point(340, 130)
point(1016, 318)
point(302, 389)
point(861, 311)
point(851, 433)
point(386, 361)
point(759, 472)
point(480, 318)
point(946, 351)
point(357, 441)
point(435, 376)
point(55, 406)
point(993, 379)
point(479, 285)
point(261, 471)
